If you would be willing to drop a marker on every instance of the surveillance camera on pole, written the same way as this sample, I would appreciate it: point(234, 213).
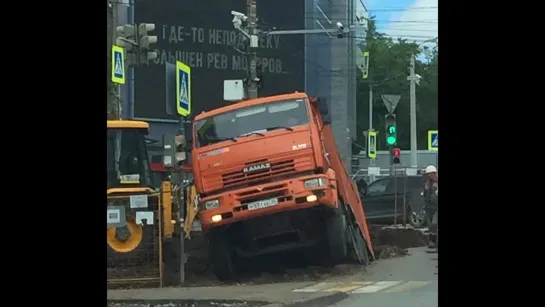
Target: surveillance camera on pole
point(418, 78)
point(238, 19)
point(239, 15)
point(340, 28)
point(145, 41)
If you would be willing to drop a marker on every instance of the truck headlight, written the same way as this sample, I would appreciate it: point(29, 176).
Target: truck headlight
point(211, 204)
point(314, 183)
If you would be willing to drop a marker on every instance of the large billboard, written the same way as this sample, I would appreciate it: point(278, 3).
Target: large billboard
point(200, 33)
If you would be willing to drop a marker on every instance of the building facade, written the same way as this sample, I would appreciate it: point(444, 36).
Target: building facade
point(200, 33)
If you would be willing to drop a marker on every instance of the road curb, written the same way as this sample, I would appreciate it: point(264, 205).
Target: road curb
point(322, 301)
point(188, 302)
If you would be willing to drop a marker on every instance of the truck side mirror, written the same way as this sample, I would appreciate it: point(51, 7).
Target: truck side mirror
point(322, 106)
point(326, 119)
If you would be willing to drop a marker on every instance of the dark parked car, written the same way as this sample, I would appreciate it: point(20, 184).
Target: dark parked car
point(379, 200)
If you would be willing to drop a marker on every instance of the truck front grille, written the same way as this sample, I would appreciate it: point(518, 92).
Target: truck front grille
point(277, 168)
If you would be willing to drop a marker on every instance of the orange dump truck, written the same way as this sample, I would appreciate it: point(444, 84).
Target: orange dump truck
point(270, 179)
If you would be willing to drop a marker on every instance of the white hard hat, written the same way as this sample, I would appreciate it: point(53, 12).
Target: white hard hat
point(431, 169)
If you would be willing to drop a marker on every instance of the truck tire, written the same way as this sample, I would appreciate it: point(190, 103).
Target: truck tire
point(334, 244)
point(221, 256)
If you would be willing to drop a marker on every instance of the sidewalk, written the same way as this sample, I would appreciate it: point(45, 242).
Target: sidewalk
point(280, 293)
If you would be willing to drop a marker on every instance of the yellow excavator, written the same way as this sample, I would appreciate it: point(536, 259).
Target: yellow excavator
point(134, 222)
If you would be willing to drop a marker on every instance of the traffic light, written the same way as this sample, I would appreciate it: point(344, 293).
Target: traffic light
point(396, 152)
point(126, 38)
point(145, 41)
point(391, 129)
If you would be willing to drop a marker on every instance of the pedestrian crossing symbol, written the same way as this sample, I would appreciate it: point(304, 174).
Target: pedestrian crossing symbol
point(183, 89)
point(118, 65)
point(372, 145)
point(433, 140)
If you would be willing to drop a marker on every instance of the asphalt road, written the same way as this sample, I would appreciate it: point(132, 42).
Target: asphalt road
point(409, 281)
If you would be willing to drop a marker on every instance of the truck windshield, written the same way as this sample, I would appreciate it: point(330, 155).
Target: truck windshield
point(251, 120)
point(127, 159)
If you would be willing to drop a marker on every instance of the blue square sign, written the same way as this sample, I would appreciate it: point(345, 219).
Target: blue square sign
point(118, 65)
point(433, 140)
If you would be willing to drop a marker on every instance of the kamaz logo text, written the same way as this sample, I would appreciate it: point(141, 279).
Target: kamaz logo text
point(255, 168)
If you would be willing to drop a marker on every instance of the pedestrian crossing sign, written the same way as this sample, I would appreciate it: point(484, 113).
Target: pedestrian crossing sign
point(118, 65)
point(183, 89)
point(433, 140)
point(372, 145)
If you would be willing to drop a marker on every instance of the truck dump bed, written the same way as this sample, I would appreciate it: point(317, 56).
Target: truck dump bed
point(347, 188)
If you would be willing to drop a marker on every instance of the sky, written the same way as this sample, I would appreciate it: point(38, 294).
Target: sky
point(409, 19)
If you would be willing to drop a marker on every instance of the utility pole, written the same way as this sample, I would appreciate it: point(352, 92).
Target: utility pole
point(252, 54)
point(413, 80)
point(371, 113)
point(372, 162)
point(114, 89)
point(247, 26)
point(113, 103)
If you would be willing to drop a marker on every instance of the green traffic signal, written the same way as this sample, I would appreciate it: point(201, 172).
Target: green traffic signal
point(391, 137)
point(391, 140)
point(392, 129)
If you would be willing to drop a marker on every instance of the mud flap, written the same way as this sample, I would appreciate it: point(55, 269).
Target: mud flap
point(359, 245)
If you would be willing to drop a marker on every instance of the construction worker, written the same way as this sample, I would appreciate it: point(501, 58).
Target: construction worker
point(431, 193)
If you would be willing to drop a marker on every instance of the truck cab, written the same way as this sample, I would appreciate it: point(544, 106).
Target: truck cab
point(265, 182)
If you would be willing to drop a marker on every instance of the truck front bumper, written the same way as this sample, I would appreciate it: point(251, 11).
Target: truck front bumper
point(268, 199)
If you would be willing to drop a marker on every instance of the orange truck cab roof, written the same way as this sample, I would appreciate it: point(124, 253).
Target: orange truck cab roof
point(248, 103)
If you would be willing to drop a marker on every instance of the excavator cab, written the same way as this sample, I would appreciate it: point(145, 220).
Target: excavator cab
point(133, 216)
point(128, 165)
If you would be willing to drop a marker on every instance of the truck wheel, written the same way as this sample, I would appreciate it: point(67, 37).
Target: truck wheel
point(359, 245)
point(221, 256)
point(335, 239)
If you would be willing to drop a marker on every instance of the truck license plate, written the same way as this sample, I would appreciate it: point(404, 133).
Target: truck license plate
point(263, 204)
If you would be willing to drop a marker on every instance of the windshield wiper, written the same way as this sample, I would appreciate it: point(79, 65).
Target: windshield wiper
point(250, 133)
point(225, 139)
point(279, 127)
point(217, 140)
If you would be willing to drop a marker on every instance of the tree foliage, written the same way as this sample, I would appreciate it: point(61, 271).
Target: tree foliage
point(388, 70)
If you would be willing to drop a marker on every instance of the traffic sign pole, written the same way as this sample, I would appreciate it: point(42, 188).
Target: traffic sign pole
point(183, 108)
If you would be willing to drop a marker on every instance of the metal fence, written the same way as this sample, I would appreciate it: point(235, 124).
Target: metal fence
point(134, 236)
point(396, 170)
